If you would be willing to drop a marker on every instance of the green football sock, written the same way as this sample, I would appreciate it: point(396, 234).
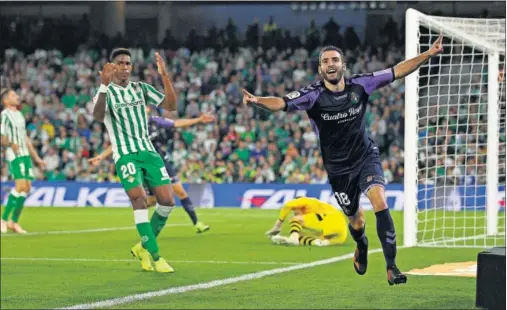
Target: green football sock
point(11, 204)
point(20, 204)
point(148, 239)
point(159, 218)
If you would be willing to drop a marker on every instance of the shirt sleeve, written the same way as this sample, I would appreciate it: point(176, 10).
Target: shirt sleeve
point(151, 95)
point(162, 121)
point(6, 127)
point(302, 99)
point(375, 80)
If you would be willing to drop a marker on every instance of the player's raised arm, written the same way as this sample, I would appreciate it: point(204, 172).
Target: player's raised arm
point(99, 101)
point(170, 102)
point(379, 79)
point(408, 66)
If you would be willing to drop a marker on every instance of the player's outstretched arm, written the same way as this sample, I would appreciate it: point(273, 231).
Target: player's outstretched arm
point(187, 122)
point(97, 159)
point(33, 153)
point(273, 104)
point(170, 102)
point(99, 101)
point(406, 67)
point(180, 123)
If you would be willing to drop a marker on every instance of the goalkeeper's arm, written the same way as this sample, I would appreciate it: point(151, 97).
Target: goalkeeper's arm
point(291, 205)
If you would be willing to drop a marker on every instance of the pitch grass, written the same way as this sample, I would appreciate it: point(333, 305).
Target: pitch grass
point(236, 236)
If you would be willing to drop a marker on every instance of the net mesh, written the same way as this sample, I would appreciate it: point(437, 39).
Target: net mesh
point(452, 128)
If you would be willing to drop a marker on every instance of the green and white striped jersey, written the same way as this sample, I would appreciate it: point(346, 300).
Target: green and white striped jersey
point(14, 127)
point(126, 119)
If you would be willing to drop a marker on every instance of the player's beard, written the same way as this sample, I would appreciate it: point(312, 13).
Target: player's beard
point(335, 79)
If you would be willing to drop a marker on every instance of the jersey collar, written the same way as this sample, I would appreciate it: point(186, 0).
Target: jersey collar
point(116, 85)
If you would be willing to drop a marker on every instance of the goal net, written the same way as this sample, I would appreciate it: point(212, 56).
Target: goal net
point(455, 134)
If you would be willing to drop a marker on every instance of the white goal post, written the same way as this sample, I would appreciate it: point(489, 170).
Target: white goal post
point(454, 162)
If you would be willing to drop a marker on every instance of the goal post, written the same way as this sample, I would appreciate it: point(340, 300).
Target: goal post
point(454, 162)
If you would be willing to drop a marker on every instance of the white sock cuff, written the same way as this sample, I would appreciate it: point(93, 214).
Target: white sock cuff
point(141, 216)
point(164, 210)
point(15, 193)
point(22, 194)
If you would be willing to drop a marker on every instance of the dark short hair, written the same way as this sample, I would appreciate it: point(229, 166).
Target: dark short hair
point(119, 51)
point(331, 48)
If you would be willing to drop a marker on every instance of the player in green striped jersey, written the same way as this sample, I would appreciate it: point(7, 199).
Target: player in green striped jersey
point(18, 149)
point(120, 104)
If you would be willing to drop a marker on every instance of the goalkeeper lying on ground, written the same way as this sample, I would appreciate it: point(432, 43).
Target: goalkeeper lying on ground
point(323, 224)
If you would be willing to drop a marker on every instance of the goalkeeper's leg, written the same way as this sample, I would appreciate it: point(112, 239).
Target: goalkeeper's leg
point(295, 237)
point(295, 228)
point(302, 240)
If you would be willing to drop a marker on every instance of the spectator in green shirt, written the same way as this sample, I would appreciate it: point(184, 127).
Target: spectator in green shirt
point(242, 152)
point(69, 100)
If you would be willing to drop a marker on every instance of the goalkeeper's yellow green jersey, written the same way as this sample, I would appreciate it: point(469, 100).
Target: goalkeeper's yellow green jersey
point(305, 205)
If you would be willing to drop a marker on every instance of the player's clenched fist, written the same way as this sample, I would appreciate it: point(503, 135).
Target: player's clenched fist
point(106, 75)
point(249, 98)
point(437, 47)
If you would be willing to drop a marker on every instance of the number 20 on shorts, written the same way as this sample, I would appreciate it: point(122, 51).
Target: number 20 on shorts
point(128, 169)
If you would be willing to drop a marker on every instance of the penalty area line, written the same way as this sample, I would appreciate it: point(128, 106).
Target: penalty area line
point(216, 283)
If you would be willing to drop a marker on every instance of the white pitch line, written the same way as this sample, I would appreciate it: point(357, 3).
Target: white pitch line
point(206, 285)
point(83, 231)
point(51, 259)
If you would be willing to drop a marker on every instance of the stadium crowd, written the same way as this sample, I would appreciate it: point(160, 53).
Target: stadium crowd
point(243, 145)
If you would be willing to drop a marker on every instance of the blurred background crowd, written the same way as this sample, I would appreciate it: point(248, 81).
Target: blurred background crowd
point(57, 80)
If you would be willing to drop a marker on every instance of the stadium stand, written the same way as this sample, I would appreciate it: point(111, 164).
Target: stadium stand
point(57, 85)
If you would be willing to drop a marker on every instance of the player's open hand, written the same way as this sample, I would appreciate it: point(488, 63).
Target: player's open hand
point(249, 98)
point(161, 65)
point(40, 163)
point(106, 75)
point(206, 118)
point(94, 161)
point(437, 47)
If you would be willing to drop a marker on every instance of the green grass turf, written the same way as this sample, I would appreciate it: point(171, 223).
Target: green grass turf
point(235, 241)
